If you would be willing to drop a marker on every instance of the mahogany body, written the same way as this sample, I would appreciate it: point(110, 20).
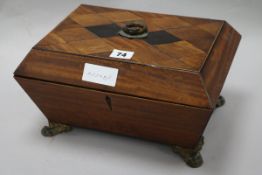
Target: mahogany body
point(166, 93)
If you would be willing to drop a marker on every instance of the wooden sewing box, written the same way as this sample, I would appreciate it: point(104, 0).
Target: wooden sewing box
point(166, 92)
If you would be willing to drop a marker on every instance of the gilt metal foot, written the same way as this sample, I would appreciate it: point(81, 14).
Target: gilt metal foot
point(54, 129)
point(220, 102)
point(192, 157)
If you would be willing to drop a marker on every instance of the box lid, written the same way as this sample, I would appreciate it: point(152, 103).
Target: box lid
point(179, 61)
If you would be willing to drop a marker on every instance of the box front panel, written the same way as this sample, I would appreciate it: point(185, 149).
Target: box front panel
point(132, 116)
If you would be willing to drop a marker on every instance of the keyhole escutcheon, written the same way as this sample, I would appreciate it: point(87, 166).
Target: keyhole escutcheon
point(109, 103)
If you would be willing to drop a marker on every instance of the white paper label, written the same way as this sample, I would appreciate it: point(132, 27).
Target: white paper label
point(121, 54)
point(100, 74)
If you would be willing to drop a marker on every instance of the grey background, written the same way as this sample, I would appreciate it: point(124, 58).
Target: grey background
point(233, 136)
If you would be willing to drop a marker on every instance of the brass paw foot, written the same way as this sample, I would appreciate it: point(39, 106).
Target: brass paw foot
point(192, 157)
point(54, 129)
point(220, 102)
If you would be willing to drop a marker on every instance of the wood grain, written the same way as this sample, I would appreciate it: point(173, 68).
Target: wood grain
point(197, 32)
point(157, 121)
point(217, 65)
point(133, 79)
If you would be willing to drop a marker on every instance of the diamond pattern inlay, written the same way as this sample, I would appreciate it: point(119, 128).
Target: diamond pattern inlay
point(107, 30)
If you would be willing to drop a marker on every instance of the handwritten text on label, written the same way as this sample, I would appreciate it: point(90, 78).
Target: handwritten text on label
point(100, 74)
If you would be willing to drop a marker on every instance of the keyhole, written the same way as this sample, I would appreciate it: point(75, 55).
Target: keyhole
point(108, 101)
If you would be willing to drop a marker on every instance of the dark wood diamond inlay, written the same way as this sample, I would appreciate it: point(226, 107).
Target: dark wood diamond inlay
point(160, 37)
point(107, 30)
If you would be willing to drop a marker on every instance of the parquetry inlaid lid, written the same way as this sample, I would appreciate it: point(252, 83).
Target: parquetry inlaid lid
point(173, 41)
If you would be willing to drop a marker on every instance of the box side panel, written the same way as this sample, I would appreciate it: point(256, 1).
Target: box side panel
point(131, 116)
point(216, 68)
point(135, 80)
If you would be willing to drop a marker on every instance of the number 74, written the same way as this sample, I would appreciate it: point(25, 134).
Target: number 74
point(123, 54)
